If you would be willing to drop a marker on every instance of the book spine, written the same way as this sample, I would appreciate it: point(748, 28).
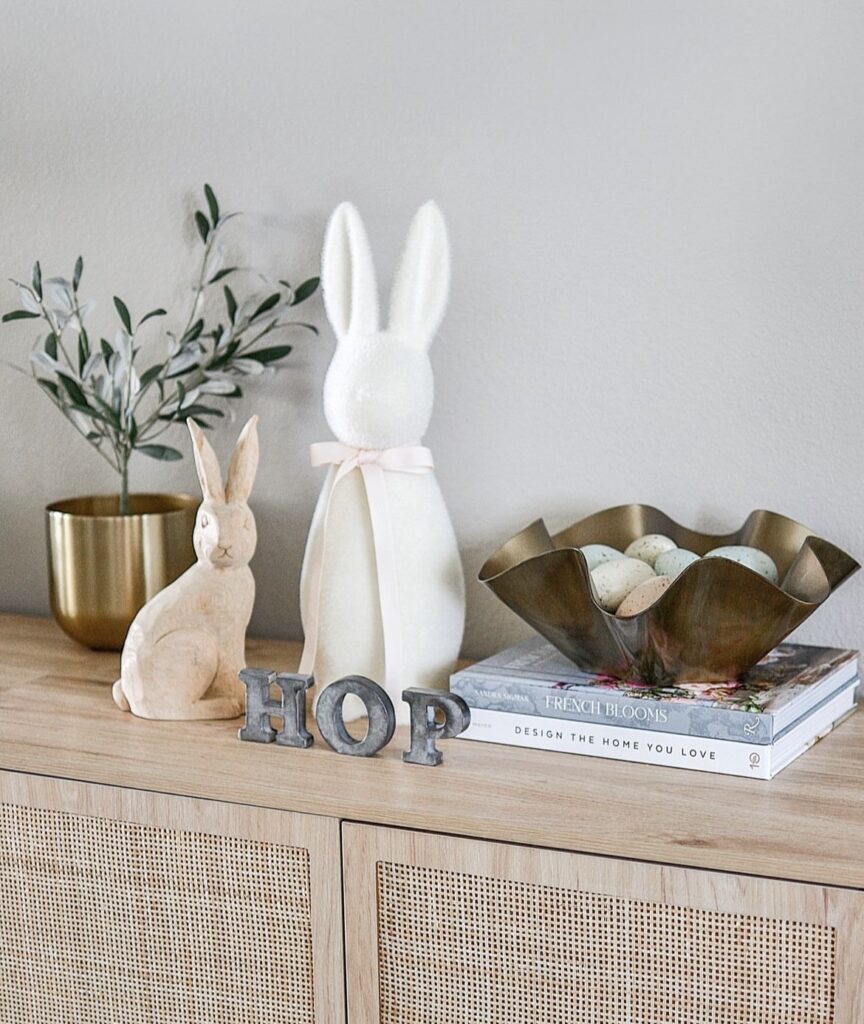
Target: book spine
point(608, 707)
point(644, 746)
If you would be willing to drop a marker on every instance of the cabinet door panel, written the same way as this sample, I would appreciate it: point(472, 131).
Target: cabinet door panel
point(121, 907)
point(442, 930)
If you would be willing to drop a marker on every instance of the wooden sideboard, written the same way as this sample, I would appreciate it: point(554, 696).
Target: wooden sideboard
point(154, 871)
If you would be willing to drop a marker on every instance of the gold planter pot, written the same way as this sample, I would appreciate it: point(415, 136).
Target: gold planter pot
point(103, 567)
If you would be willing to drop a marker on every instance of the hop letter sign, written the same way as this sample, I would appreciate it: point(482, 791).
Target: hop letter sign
point(290, 707)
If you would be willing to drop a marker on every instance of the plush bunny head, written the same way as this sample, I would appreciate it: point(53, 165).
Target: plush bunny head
point(225, 534)
point(378, 390)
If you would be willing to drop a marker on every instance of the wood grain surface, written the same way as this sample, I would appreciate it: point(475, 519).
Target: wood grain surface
point(57, 719)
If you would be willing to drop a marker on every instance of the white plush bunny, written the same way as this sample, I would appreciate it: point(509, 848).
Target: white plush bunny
point(378, 401)
point(187, 644)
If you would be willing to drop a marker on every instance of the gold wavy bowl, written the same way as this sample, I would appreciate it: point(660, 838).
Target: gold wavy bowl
point(715, 621)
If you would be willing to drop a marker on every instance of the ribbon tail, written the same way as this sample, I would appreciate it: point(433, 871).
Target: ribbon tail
point(312, 625)
point(385, 561)
point(313, 608)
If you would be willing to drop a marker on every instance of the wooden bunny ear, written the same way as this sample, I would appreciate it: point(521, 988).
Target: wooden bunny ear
point(206, 463)
point(422, 283)
point(244, 463)
point(348, 275)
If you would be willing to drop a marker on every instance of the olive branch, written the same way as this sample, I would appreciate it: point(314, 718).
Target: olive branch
point(98, 387)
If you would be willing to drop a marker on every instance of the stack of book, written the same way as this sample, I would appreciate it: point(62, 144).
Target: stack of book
point(531, 696)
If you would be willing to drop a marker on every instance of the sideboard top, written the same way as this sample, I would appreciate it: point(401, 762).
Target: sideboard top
point(57, 718)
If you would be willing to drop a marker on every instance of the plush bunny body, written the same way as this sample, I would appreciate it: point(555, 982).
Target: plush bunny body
point(186, 646)
point(429, 578)
point(378, 397)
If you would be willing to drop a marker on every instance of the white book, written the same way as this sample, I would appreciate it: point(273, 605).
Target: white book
point(647, 746)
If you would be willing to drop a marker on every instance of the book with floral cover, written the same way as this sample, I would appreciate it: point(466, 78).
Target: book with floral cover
point(532, 678)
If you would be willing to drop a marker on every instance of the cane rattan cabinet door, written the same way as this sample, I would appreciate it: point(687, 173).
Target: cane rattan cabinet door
point(452, 931)
point(121, 907)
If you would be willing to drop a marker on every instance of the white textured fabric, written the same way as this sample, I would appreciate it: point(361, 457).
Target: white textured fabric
point(378, 395)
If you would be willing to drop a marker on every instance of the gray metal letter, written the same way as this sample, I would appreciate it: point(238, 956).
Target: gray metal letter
point(425, 730)
point(331, 724)
point(260, 707)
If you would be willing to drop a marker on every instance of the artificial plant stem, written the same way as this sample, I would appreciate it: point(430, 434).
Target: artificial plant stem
point(124, 482)
point(57, 331)
point(199, 290)
point(69, 419)
point(202, 284)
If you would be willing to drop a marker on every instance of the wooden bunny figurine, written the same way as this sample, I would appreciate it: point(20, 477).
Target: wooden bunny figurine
point(186, 646)
point(382, 591)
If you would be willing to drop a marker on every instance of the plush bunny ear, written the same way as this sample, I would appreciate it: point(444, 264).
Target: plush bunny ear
point(244, 463)
point(419, 295)
point(206, 463)
point(348, 275)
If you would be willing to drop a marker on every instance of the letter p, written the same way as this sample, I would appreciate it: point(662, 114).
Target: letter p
point(425, 729)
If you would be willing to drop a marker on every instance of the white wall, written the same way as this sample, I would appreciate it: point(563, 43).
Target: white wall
point(656, 210)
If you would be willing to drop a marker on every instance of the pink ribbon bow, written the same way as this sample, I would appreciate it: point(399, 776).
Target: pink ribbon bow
point(373, 464)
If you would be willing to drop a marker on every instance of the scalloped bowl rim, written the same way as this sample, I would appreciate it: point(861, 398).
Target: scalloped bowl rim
point(739, 568)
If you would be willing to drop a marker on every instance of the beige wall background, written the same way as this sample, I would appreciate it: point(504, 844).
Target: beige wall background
point(656, 211)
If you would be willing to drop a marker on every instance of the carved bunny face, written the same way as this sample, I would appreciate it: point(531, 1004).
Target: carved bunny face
point(379, 388)
point(225, 534)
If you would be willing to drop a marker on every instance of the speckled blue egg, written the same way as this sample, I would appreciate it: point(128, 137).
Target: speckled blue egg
point(597, 554)
point(753, 558)
point(673, 563)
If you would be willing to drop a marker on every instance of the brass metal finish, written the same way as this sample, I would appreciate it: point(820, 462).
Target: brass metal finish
point(716, 620)
point(103, 567)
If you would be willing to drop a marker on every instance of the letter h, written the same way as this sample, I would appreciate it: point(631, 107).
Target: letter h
point(261, 707)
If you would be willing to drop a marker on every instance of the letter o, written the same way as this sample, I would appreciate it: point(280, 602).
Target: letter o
point(331, 724)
